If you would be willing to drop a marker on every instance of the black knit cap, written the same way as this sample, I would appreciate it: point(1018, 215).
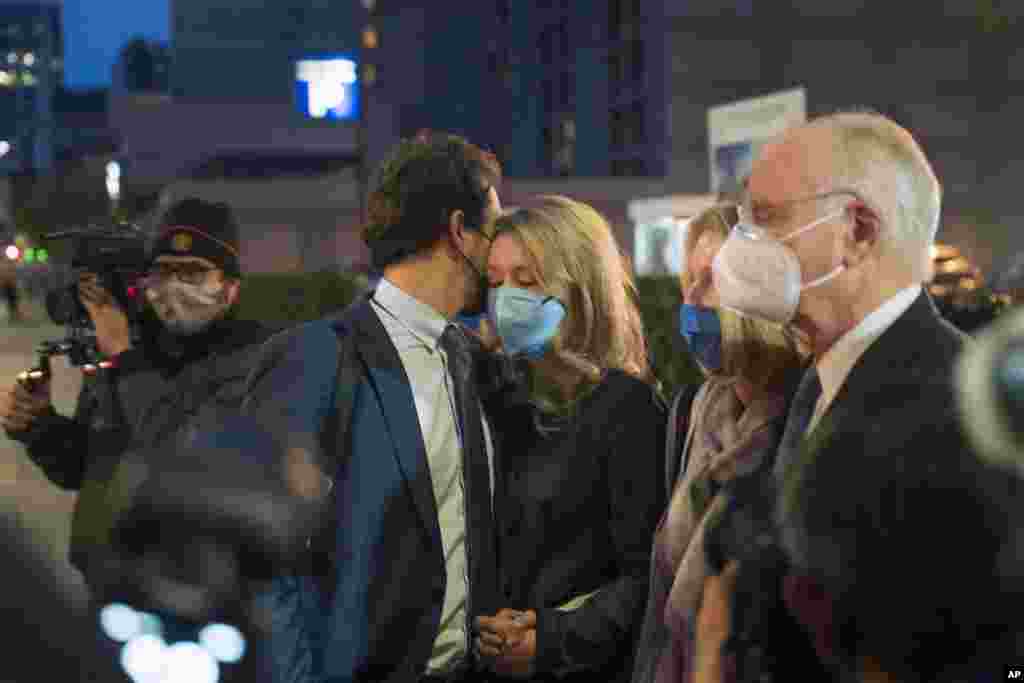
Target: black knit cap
point(196, 227)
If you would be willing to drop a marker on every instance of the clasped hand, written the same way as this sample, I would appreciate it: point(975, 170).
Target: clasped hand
point(507, 642)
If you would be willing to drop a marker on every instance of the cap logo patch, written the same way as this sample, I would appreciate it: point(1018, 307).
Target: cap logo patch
point(181, 241)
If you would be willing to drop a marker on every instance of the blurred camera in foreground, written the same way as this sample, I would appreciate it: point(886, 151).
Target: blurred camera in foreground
point(990, 389)
point(196, 533)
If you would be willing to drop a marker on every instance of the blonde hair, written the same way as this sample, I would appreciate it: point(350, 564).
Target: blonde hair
point(881, 161)
point(579, 263)
point(760, 352)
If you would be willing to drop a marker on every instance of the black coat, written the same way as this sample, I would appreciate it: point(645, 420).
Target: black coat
point(577, 513)
point(155, 390)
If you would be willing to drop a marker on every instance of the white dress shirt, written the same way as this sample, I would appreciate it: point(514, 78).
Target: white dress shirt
point(415, 329)
point(835, 365)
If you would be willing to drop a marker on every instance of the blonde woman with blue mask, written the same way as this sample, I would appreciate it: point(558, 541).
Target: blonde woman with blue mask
point(580, 486)
point(730, 430)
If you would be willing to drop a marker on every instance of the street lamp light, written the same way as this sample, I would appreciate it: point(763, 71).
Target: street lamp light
point(113, 186)
point(114, 180)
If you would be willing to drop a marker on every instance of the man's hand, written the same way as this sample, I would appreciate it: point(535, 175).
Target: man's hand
point(21, 407)
point(714, 624)
point(113, 333)
point(508, 642)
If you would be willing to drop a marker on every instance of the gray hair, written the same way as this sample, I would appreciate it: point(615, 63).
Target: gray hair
point(880, 160)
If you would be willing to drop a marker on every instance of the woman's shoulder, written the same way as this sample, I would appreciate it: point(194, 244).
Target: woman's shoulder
point(620, 389)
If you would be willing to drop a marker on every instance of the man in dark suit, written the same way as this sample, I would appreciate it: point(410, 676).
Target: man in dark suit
point(840, 217)
point(835, 238)
point(411, 559)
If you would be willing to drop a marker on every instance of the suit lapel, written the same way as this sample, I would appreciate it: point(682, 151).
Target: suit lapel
point(904, 348)
point(911, 348)
point(918, 346)
point(398, 408)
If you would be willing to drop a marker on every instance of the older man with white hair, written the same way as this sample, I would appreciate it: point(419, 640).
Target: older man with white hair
point(835, 239)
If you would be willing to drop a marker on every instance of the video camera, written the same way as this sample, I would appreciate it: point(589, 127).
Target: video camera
point(200, 529)
point(117, 254)
point(990, 388)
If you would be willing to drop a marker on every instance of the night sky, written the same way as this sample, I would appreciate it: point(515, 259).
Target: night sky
point(95, 30)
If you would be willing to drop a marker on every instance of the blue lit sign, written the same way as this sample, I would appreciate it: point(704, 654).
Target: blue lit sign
point(327, 87)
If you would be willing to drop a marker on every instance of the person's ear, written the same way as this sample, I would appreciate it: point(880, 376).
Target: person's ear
point(231, 289)
point(864, 233)
point(457, 229)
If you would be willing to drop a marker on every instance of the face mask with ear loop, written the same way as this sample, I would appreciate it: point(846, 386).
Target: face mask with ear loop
point(757, 275)
point(525, 321)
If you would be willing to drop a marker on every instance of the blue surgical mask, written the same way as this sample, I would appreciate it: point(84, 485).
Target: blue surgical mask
point(470, 321)
point(702, 330)
point(525, 321)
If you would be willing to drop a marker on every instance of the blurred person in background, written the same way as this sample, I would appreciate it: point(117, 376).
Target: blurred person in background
point(835, 237)
point(920, 579)
point(730, 429)
point(9, 285)
point(193, 357)
point(580, 487)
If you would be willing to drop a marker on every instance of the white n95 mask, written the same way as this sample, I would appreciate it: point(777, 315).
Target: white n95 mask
point(757, 275)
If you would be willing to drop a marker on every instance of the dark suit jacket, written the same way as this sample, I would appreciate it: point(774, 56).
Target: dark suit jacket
point(919, 348)
point(390, 578)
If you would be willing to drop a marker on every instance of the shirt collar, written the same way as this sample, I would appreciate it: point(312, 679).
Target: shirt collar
point(839, 360)
point(421, 320)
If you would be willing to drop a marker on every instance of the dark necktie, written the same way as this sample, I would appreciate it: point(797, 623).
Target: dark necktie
point(480, 529)
point(800, 413)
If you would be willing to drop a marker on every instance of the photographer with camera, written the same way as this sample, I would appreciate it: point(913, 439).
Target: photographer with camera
point(190, 363)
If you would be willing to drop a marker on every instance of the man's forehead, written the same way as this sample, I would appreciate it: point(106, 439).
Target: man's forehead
point(788, 166)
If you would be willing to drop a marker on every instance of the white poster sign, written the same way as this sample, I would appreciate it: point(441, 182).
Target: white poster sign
point(659, 228)
point(737, 130)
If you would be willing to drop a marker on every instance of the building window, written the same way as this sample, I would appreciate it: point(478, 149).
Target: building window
point(558, 146)
point(626, 126)
point(566, 89)
point(626, 65)
point(624, 18)
point(565, 150)
point(545, 53)
point(628, 167)
point(636, 61)
point(562, 39)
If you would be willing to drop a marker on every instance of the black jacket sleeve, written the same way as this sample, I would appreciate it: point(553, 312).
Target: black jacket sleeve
point(58, 444)
point(629, 435)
